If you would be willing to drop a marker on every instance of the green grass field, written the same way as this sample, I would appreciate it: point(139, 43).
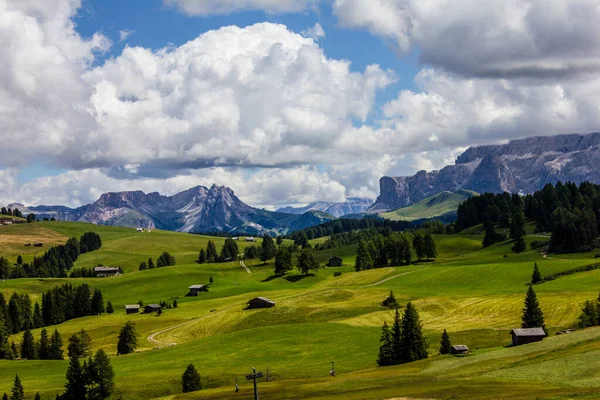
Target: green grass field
point(441, 204)
point(476, 294)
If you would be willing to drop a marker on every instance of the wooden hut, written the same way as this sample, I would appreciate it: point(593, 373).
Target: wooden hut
point(260, 302)
point(132, 308)
point(335, 261)
point(527, 335)
point(196, 289)
point(459, 349)
point(102, 272)
point(150, 308)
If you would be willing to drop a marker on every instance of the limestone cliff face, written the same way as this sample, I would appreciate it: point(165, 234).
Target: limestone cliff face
point(523, 165)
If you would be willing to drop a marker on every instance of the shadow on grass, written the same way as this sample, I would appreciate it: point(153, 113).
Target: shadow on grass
point(270, 278)
point(296, 278)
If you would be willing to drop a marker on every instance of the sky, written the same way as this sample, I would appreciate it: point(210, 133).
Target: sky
point(285, 101)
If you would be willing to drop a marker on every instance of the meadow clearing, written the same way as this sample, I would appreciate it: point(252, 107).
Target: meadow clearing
point(476, 294)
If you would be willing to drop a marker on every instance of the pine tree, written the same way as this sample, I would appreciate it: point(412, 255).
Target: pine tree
point(103, 376)
point(4, 396)
point(76, 386)
point(533, 317)
point(19, 260)
point(175, 303)
point(202, 256)
point(143, 266)
point(390, 301)
point(211, 280)
point(56, 352)
point(536, 277)
point(413, 346)
point(386, 350)
point(445, 343)
point(283, 261)
point(38, 320)
point(127, 339)
point(190, 380)
point(28, 346)
point(37, 396)
point(517, 231)
point(97, 305)
point(43, 350)
point(307, 261)
point(109, 308)
point(268, 249)
point(588, 315)
point(364, 260)
point(382, 259)
point(429, 246)
point(396, 338)
point(18, 392)
point(211, 252)
point(150, 263)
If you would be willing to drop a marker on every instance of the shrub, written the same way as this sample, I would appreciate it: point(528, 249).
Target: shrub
point(337, 273)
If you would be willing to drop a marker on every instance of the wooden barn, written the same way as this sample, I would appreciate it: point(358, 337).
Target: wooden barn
point(527, 335)
point(102, 272)
point(260, 302)
point(150, 308)
point(335, 261)
point(132, 308)
point(459, 349)
point(196, 289)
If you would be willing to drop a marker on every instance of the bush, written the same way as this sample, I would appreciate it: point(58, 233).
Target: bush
point(337, 273)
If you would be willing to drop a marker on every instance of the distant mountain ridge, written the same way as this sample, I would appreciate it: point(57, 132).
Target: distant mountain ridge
point(199, 209)
point(522, 165)
point(354, 205)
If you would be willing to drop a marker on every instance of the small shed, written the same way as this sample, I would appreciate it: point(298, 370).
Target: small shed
point(249, 239)
point(101, 271)
point(132, 308)
point(260, 302)
point(527, 335)
point(335, 261)
point(196, 289)
point(459, 349)
point(150, 308)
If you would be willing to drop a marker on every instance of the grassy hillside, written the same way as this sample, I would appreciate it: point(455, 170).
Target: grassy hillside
point(476, 294)
point(443, 204)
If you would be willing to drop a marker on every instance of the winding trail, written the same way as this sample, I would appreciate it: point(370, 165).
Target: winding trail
point(389, 279)
point(151, 337)
point(244, 266)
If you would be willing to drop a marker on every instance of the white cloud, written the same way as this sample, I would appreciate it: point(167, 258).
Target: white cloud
point(217, 7)
point(125, 33)
point(315, 32)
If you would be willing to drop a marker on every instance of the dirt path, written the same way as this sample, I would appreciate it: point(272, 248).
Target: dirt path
point(388, 279)
point(244, 266)
point(152, 336)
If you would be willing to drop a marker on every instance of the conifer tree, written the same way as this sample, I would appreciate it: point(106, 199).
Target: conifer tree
point(202, 256)
point(536, 277)
point(390, 301)
point(97, 305)
point(56, 352)
point(396, 338)
point(382, 259)
point(150, 263)
point(37, 396)
point(211, 252)
point(588, 315)
point(363, 260)
point(28, 346)
point(386, 350)
point(17, 392)
point(127, 339)
point(413, 346)
point(268, 249)
point(533, 317)
point(283, 261)
point(429, 246)
point(103, 376)
point(175, 303)
point(5, 396)
point(143, 266)
point(517, 231)
point(307, 261)
point(210, 280)
point(38, 319)
point(19, 260)
point(76, 383)
point(43, 349)
point(445, 343)
point(109, 308)
point(190, 380)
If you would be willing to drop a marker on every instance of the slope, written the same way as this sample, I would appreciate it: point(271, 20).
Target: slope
point(442, 206)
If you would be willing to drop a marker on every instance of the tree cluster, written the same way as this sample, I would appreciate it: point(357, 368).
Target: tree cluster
point(94, 379)
point(47, 348)
point(404, 342)
point(127, 339)
point(590, 313)
point(164, 260)
point(12, 213)
point(343, 225)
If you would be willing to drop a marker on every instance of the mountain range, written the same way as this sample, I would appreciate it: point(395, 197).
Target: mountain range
point(354, 205)
point(523, 165)
point(199, 209)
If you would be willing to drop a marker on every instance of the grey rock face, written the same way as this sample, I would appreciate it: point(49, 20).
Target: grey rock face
point(354, 205)
point(523, 165)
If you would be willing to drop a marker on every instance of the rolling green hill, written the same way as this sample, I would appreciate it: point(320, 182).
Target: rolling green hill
point(442, 205)
point(476, 294)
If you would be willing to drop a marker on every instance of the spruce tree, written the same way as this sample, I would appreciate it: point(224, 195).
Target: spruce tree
point(28, 346)
point(5, 396)
point(588, 315)
point(307, 261)
point(202, 256)
point(175, 303)
point(445, 343)
point(386, 350)
point(533, 317)
point(76, 383)
point(413, 346)
point(127, 339)
point(150, 263)
point(109, 308)
point(396, 338)
point(210, 280)
point(390, 301)
point(363, 260)
point(17, 392)
point(38, 320)
point(97, 304)
point(536, 277)
point(37, 396)
point(283, 261)
point(103, 376)
point(19, 260)
point(190, 380)
point(517, 231)
point(56, 352)
point(268, 249)
point(430, 247)
point(143, 266)
point(43, 350)
point(211, 252)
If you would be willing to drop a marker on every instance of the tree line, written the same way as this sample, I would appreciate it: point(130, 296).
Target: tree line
point(394, 249)
point(54, 263)
point(12, 213)
point(164, 260)
point(346, 225)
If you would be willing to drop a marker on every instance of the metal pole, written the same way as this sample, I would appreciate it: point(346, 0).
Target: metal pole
point(255, 388)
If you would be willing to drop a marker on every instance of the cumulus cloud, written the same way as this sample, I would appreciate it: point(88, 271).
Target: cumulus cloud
point(495, 38)
point(125, 33)
point(220, 7)
point(315, 32)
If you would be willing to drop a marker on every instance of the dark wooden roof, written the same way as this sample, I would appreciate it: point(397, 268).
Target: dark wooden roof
point(106, 269)
point(196, 287)
point(262, 299)
point(153, 305)
point(460, 347)
point(528, 332)
point(132, 306)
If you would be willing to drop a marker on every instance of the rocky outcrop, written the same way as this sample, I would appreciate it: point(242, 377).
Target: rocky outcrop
point(523, 165)
point(354, 205)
